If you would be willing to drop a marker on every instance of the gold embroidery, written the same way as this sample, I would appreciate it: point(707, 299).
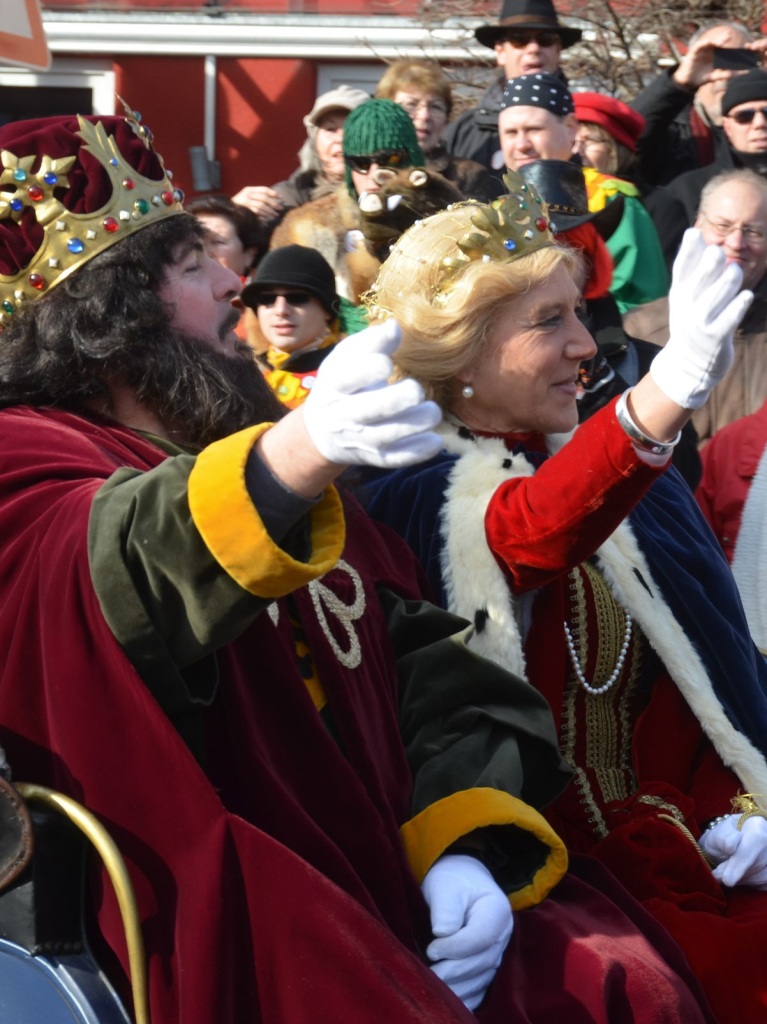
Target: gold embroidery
point(596, 730)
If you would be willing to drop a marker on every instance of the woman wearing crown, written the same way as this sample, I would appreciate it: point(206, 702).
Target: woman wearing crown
point(583, 563)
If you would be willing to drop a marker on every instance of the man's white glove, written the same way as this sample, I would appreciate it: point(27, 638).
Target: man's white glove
point(472, 922)
point(705, 308)
point(742, 856)
point(355, 417)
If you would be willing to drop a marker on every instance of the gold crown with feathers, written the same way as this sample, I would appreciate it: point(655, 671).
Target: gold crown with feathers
point(71, 239)
point(501, 231)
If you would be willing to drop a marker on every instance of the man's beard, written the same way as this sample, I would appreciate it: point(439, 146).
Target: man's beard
point(200, 393)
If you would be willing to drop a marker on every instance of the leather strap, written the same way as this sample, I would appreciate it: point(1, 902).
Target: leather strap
point(16, 836)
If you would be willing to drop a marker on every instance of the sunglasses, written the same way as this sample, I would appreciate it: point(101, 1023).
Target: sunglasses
point(383, 157)
point(521, 39)
point(292, 298)
point(747, 116)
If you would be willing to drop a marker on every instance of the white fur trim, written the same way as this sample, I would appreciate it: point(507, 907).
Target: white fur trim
point(468, 562)
point(749, 563)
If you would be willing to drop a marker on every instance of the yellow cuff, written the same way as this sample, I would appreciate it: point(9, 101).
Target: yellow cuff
point(233, 532)
point(438, 826)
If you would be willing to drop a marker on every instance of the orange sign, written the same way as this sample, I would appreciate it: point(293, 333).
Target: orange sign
point(22, 36)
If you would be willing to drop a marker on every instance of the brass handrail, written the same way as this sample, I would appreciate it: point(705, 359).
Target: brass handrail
point(118, 874)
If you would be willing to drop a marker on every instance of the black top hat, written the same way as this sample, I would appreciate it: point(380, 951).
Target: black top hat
point(563, 187)
point(527, 14)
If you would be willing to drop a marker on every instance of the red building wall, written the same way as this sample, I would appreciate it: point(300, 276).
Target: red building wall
point(260, 105)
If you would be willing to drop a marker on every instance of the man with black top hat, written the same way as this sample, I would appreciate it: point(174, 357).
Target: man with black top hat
point(527, 39)
point(744, 121)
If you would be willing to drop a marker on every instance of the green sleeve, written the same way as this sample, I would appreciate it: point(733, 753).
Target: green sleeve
point(640, 273)
point(181, 564)
point(483, 751)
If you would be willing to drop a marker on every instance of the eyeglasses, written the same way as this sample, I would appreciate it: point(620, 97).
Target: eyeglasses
point(747, 116)
point(434, 107)
point(723, 228)
point(521, 39)
point(383, 157)
point(292, 298)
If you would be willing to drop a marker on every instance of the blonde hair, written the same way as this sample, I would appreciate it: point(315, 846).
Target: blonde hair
point(447, 314)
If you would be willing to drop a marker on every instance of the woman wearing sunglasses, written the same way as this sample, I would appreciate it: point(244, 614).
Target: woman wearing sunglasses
point(294, 298)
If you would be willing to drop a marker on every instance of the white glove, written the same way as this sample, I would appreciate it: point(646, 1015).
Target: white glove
point(355, 417)
point(472, 921)
point(742, 855)
point(705, 308)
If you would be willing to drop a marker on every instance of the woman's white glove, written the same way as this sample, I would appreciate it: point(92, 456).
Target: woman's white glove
point(705, 307)
point(742, 856)
point(355, 417)
point(472, 922)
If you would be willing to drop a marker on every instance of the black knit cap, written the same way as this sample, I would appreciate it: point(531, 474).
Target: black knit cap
point(742, 88)
point(293, 266)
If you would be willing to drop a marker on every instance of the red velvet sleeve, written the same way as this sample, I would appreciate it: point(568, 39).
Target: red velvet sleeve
point(540, 526)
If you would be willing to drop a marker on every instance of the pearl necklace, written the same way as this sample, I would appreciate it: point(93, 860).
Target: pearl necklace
point(597, 690)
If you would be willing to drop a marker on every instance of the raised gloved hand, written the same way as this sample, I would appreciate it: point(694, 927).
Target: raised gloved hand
point(472, 922)
point(705, 308)
point(355, 417)
point(742, 855)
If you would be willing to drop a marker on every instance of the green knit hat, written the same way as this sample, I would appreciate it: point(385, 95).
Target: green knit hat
point(380, 124)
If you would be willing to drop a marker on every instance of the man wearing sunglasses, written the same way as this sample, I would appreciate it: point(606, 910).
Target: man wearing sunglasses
point(293, 293)
point(378, 135)
point(744, 121)
point(528, 39)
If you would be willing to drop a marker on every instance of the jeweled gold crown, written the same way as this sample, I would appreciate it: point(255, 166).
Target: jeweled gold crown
point(504, 230)
point(507, 228)
point(71, 239)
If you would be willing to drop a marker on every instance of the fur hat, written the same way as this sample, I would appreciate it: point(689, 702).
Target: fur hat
point(742, 88)
point(624, 124)
point(380, 125)
point(293, 266)
point(542, 90)
point(342, 98)
point(527, 14)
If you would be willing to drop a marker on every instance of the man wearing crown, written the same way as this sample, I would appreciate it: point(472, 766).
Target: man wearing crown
point(207, 644)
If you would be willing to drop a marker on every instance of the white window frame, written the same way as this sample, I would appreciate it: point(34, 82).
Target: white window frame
point(69, 73)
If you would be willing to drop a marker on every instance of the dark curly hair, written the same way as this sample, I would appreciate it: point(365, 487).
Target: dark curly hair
point(62, 348)
point(106, 321)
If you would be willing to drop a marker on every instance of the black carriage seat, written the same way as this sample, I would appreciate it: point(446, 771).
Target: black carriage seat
point(48, 973)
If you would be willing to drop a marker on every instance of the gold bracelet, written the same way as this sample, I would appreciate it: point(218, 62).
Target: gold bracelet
point(748, 804)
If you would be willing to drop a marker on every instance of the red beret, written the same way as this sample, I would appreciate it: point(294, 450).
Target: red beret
point(624, 124)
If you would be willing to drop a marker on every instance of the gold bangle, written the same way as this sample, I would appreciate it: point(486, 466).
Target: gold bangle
point(748, 804)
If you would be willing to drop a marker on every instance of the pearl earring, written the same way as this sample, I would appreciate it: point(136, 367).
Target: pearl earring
point(467, 391)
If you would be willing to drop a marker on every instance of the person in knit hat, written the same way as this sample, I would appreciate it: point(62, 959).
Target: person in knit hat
point(378, 134)
point(379, 140)
point(293, 294)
